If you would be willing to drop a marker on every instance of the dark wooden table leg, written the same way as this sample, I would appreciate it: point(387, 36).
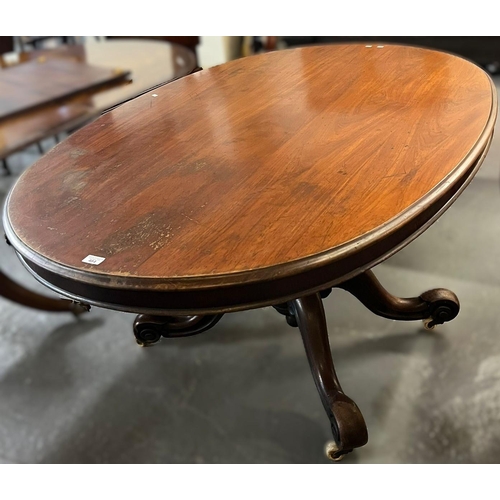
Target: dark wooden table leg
point(12, 291)
point(435, 307)
point(348, 425)
point(148, 330)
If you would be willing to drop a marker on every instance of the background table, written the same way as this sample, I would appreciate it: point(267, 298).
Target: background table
point(151, 63)
point(27, 87)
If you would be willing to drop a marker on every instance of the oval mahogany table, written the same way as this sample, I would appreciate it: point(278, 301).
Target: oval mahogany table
point(265, 181)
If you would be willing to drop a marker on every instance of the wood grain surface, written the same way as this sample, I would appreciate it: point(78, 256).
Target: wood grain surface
point(256, 169)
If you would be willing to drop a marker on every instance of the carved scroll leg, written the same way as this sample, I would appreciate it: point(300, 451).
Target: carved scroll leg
point(348, 425)
point(435, 307)
point(150, 329)
point(12, 291)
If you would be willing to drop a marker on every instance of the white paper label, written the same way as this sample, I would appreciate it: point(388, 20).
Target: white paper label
point(94, 260)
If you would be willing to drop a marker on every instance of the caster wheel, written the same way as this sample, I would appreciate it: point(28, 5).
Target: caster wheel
point(429, 324)
point(147, 337)
point(332, 452)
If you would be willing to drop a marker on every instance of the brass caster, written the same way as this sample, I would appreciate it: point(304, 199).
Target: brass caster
point(146, 337)
point(333, 452)
point(429, 324)
point(145, 344)
point(142, 343)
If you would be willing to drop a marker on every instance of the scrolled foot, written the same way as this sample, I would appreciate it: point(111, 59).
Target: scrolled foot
point(146, 336)
point(348, 427)
point(148, 330)
point(333, 452)
point(435, 307)
point(443, 307)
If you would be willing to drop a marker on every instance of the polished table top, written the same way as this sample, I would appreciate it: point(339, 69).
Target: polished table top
point(293, 169)
point(150, 63)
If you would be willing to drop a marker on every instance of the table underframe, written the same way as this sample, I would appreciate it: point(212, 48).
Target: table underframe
point(348, 426)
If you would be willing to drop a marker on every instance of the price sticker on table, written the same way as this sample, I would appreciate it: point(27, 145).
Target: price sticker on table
point(94, 260)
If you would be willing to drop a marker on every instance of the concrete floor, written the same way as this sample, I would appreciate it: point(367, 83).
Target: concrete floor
point(82, 391)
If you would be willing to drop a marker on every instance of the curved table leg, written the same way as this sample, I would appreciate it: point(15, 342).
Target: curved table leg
point(348, 425)
point(150, 329)
point(435, 307)
point(12, 291)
